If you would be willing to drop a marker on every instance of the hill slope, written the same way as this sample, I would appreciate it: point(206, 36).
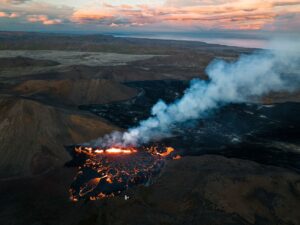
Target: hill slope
point(76, 92)
point(33, 135)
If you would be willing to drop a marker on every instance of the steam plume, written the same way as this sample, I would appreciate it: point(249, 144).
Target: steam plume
point(229, 82)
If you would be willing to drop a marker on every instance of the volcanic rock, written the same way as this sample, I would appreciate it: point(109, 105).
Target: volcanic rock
point(33, 135)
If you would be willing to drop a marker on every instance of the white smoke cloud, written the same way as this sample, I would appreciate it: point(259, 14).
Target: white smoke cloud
point(229, 82)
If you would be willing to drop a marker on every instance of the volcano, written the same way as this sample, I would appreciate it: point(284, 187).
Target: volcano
point(253, 131)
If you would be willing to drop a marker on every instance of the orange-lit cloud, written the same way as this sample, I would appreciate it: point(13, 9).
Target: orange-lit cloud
point(34, 12)
point(185, 14)
point(43, 19)
point(13, 1)
point(9, 15)
point(232, 14)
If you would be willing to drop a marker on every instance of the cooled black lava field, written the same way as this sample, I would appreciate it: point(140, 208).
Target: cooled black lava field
point(263, 133)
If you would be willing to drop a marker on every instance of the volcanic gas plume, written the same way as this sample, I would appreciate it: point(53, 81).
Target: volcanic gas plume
point(107, 171)
point(249, 77)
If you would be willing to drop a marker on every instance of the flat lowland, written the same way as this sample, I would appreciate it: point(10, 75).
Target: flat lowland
point(36, 60)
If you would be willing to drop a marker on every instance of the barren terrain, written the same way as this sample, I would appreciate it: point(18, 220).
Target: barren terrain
point(239, 167)
point(60, 60)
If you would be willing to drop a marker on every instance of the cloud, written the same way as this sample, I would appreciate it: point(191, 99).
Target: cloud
point(286, 3)
point(179, 3)
point(3, 14)
point(172, 14)
point(285, 22)
point(210, 14)
point(43, 19)
point(36, 12)
point(9, 15)
point(15, 2)
point(123, 16)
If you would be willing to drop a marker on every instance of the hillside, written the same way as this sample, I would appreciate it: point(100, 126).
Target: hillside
point(20, 61)
point(75, 92)
point(32, 135)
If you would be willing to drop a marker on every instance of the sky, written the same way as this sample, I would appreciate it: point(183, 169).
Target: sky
point(96, 16)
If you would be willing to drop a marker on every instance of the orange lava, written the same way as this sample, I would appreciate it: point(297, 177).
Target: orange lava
point(107, 172)
point(168, 152)
point(119, 151)
point(97, 151)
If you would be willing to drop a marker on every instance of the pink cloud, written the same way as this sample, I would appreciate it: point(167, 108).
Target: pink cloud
point(207, 14)
point(36, 12)
point(14, 15)
point(43, 19)
point(219, 14)
point(8, 15)
point(15, 2)
point(3, 14)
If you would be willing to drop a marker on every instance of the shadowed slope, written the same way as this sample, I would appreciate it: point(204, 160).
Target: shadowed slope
point(32, 135)
point(76, 92)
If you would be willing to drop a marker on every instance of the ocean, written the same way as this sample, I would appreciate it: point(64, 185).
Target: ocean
point(229, 41)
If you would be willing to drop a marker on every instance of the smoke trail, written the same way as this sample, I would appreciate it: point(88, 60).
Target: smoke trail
point(229, 82)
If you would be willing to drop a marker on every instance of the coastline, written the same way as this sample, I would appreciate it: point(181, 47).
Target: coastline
point(230, 42)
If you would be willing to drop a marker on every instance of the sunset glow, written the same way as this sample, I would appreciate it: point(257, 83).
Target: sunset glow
point(269, 15)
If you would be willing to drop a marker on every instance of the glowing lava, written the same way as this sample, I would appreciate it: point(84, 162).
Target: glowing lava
point(108, 172)
point(95, 151)
point(120, 151)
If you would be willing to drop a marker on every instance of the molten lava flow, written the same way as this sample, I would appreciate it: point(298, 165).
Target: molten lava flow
point(107, 172)
point(168, 152)
point(119, 151)
point(113, 150)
